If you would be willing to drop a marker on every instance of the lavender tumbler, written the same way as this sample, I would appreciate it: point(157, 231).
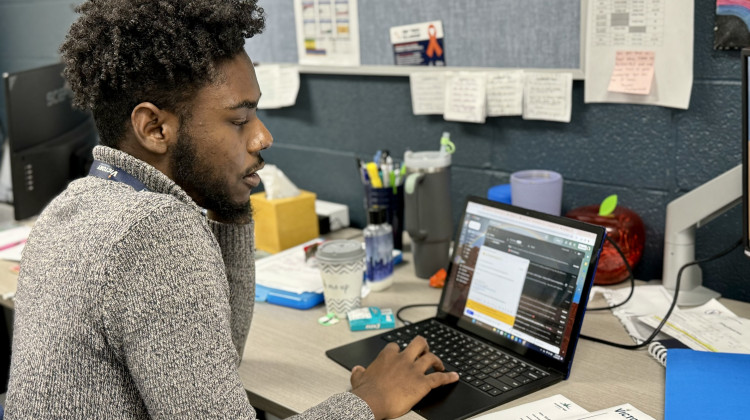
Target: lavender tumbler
point(537, 189)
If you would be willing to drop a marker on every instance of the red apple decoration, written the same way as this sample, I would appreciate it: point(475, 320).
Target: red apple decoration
point(623, 226)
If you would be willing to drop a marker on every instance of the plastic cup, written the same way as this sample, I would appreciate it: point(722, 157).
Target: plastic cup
point(537, 189)
point(342, 264)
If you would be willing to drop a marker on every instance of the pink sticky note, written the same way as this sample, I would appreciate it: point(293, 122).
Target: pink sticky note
point(633, 72)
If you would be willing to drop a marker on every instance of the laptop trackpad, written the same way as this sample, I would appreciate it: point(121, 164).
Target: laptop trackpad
point(453, 401)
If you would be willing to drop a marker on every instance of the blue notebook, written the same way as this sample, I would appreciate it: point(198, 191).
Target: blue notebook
point(706, 385)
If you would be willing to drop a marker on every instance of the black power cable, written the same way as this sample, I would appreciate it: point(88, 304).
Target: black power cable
point(671, 307)
point(416, 305)
point(611, 241)
point(630, 276)
point(632, 289)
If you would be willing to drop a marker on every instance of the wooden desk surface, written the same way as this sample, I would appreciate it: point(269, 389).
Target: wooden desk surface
point(286, 371)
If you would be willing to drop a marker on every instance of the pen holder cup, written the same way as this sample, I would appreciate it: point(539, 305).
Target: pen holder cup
point(394, 205)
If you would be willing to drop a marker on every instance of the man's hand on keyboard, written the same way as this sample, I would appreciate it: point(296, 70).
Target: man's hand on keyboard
point(396, 380)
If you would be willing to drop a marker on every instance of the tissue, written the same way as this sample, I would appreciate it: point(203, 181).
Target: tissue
point(276, 184)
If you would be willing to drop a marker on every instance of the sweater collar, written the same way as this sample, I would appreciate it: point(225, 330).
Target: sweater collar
point(151, 177)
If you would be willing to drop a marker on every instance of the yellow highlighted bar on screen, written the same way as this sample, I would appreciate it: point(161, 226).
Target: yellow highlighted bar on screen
point(493, 313)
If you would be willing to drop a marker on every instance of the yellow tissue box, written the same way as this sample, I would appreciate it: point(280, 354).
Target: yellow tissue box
point(285, 222)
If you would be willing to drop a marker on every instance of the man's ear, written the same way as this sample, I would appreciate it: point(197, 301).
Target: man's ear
point(155, 129)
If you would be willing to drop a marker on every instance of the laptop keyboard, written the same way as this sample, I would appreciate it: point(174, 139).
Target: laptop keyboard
point(477, 364)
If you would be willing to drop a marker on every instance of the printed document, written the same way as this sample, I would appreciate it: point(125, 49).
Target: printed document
point(617, 30)
point(327, 32)
point(556, 407)
point(289, 271)
point(560, 408)
point(706, 328)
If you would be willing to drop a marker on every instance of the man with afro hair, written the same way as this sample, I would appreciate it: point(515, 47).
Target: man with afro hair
point(136, 287)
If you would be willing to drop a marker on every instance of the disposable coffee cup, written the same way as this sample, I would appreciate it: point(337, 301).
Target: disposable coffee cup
point(342, 264)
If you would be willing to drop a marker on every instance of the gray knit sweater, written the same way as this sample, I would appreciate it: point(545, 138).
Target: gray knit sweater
point(132, 305)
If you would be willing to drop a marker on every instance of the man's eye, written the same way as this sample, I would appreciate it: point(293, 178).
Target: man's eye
point(239, 123)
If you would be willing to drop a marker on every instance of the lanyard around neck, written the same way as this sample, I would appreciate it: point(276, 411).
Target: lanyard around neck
point(103, 170)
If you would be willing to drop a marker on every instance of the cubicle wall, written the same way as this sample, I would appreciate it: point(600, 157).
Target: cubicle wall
point(478, 33)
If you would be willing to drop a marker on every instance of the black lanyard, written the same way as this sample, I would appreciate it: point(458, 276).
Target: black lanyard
point(103, 170)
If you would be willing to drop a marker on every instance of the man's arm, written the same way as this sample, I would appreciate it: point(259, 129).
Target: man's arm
point(169, 318)
point(237, 250)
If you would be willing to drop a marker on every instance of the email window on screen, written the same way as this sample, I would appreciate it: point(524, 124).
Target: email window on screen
point(538, 280)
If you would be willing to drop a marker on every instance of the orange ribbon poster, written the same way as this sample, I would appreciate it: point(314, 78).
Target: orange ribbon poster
point(433, 48)
point(420, 44)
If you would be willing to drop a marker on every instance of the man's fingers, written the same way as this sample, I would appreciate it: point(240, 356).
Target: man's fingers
point(357, 372)
point(390, 348)
point(436, 379)
point(430, 360)
point(417, 347)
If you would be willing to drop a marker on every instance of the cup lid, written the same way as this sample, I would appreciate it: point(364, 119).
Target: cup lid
point(426, 160)
point(340, 251)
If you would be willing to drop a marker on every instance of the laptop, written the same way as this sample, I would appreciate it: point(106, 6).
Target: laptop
point(511, 310)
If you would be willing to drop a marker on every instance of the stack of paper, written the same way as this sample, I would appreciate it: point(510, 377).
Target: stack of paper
point(288, 271)
point(12, 242)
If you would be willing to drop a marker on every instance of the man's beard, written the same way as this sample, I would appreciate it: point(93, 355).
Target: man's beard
point(199, 180)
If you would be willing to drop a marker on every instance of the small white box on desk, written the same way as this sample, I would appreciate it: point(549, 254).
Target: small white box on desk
point(337, 214)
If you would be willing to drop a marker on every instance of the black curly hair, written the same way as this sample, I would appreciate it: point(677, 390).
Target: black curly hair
point(120, 53)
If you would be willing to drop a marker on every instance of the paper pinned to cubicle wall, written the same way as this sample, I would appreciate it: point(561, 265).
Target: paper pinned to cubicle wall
point(466, 97)
point(428, 92)
point(633, 72)
point(279, 84)
point(327, 32)
point(548, 96)
point(505, 93)
point(664, 27)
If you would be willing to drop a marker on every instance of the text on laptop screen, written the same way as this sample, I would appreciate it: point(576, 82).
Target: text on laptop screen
point(518, 276)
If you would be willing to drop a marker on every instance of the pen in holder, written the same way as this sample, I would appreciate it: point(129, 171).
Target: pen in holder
point(392, 199)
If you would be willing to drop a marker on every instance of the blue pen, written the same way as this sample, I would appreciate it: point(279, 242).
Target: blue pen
point(377, 156)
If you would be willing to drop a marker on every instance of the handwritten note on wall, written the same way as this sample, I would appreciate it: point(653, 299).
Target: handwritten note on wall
point(504, 93)
point(280, 85)
point(474, 96)
point(466, 97)
point(427, 92)
point(633, 72)
point(547, 96)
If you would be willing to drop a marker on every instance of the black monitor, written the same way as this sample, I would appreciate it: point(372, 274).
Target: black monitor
point(50, 142)
point(745, 157)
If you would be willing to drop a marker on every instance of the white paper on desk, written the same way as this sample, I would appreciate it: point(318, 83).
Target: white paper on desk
point(710, 327)
point(466, 97)
point(280, 85)
point(428, 92)
point(13, 253)
point(547, 96)
point(664, 27)
point(556, 407)
point(505, 93)
point(13, 236)
point(646, 300)
point(620, 412)
point(288, 271)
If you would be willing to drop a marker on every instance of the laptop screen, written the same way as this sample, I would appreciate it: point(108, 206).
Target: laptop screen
point(520, 275)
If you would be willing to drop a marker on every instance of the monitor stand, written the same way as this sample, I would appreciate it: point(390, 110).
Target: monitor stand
point(686, 213)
